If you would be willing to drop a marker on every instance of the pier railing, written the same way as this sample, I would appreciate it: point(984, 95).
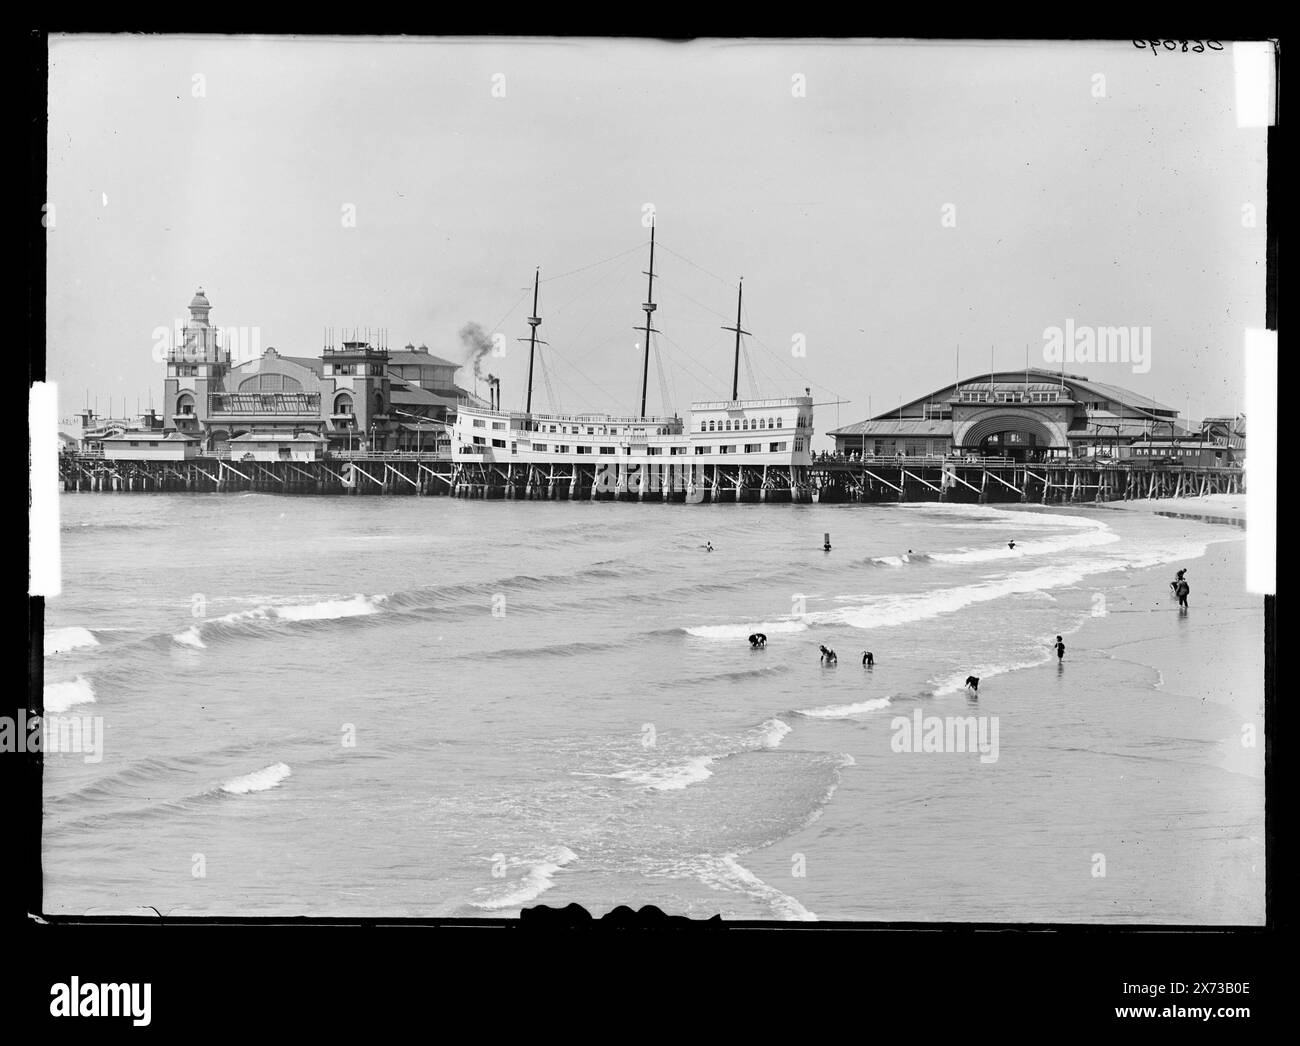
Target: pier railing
point(917, 478)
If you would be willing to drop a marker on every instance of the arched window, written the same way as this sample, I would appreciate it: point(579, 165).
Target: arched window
point(184, 403)
point(769, 423)
point(704, 426)
point(779, 423)
point(728, 424)
point(745, 424)
point(711, 424)
point(342, 403)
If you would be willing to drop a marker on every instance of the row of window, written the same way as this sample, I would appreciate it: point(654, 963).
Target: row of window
point(751, 448)
point(1173, 452)
point(745, 424)
point(1008, 396)
point(577, 430)
point(565, 448)
point(909, 447)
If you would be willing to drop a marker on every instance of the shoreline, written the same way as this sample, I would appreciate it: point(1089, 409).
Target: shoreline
point(1221, 509)
point(1202, 674)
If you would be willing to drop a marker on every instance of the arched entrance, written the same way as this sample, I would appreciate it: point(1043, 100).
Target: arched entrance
point(1007, 434)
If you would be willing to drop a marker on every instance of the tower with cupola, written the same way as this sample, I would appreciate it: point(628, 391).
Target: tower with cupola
point(197, 365)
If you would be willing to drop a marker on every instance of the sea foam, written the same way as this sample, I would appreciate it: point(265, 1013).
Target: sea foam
point(59, 697)
point(61, 640)
point(743, 631)
point(258, 780)
point(331, 609)
point(671, 777)
point(845, 711)
point(726, 873)
point(536, 881)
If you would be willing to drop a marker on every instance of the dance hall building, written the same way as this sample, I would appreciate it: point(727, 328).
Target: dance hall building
point(1026, 415)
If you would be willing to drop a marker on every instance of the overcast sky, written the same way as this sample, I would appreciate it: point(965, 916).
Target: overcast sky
point(229, 163)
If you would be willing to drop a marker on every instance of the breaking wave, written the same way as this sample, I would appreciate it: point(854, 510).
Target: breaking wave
point(59, 697)
point(536, 881)
point(743, 631)
point(61, 640)
point(845, 711)
point(246, 622)
point(258, 780)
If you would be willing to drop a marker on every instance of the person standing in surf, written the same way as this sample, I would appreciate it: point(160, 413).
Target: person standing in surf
point(1060, 649)
point(1181, 590)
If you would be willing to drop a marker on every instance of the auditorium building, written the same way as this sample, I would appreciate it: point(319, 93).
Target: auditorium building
point(353, 396)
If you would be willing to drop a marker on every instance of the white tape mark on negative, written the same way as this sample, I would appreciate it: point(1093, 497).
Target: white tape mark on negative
point(1253, 71)
point(1261, 461)
point(45, 568)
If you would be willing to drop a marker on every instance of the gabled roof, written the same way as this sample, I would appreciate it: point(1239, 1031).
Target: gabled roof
point(153, 434)
point(412, 395)
point(413, 357)
point(309, 362)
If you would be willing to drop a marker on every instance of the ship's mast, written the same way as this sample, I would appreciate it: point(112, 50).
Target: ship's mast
point(533, 321)
point(648, 308)
point(735, 372)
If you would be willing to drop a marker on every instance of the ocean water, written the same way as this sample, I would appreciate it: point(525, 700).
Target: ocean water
point(442, 707)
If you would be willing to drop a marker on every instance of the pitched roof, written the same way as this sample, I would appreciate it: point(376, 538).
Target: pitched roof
point(407, 358)
point(154, 434)
point(1038, 380)
point(936, 427)
point(1114, 392)
point(310, 362)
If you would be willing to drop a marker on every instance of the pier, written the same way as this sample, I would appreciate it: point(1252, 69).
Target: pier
point(939, 479)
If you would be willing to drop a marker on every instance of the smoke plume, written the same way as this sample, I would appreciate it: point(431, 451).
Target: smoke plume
point(477, 345)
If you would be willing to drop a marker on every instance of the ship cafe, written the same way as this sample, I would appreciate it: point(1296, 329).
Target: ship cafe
point(670, 451)
point(1025, 415)
point(752, 432)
